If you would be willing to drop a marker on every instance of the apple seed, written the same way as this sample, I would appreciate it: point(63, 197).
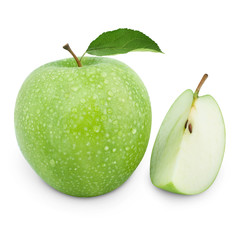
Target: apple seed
point(190, 127)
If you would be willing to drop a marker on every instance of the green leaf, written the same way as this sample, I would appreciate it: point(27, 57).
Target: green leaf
point(121, 41)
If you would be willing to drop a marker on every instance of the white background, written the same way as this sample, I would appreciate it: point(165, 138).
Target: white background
point(197, 37)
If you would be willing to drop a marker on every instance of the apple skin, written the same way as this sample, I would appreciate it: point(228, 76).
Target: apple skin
point(84, 130)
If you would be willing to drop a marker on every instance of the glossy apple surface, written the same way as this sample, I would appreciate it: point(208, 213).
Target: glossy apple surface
point(84, 130)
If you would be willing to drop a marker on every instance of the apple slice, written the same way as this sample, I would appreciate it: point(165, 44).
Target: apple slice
point(190, 144)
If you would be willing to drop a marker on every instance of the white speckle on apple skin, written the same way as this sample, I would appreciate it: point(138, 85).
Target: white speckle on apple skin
point(83, 130)
point(106, 148)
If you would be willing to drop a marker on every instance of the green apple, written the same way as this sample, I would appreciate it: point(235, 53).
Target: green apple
point(84, 130)
point(189, 147)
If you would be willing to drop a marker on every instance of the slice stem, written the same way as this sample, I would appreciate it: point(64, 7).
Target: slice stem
point(205, 76)
point(67, 47)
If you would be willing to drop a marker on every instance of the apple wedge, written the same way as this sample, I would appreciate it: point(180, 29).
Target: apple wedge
point(190, 144)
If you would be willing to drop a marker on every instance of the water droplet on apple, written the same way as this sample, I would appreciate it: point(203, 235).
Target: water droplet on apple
point(134, 130)
point(110, 93)
point(96, 108)
point(74, 89)
point(106, 148)
point(120, 133)
point(104, 117)
point(96, 129)
point(52, 163)
point(104, 74)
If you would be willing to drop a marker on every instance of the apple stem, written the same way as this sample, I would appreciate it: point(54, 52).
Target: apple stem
point(67, 47)
point(205, 76)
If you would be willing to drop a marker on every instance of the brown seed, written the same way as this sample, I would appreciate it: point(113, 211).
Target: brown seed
point(186, 124)
point(190, 127)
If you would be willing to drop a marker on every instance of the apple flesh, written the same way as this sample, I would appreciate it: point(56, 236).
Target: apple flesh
point(189, 147)
point(84, 130)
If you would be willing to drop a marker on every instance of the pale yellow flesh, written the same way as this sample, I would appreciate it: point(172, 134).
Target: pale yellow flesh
point(185, 162)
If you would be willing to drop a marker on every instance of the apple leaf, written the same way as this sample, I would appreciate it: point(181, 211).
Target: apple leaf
point(120, 41)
